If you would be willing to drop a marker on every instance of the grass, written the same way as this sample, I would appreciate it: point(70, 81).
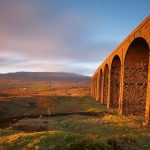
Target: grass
point(51, 140)
point(74, 104)
point(43, 88)
point(70, 132)
point(39, 105)
point(75, 132)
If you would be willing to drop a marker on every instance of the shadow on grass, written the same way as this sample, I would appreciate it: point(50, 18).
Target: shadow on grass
point(18, 108)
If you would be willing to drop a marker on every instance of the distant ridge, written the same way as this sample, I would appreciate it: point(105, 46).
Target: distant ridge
point(41, 73)
point(49, 76)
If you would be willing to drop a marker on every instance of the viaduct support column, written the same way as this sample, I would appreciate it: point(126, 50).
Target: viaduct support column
point(120, 109)
point(147, 113)
point(108, 101)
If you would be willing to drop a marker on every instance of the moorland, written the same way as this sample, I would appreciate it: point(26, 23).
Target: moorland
point(54, 111)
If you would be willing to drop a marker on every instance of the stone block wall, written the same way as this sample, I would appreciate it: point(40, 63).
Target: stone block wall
point(129, 78)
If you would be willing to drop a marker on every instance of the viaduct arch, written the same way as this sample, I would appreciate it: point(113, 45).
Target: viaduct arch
point(105, 90)
point(122, 81)
point(115, 82)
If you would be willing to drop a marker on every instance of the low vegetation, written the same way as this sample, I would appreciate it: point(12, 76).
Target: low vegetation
point(66, 122)
point(82, 132)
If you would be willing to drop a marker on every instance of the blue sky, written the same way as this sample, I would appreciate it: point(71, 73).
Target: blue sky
point(64, 35)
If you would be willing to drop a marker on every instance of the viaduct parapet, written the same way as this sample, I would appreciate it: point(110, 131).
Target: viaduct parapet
point(122, 81)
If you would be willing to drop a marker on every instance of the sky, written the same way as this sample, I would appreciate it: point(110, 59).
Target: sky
point(64, 35)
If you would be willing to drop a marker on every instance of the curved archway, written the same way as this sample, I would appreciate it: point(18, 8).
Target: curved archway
point(105, 89)
point(101, 85)
point(136, 77)
point(96, 88)
point(115, 82)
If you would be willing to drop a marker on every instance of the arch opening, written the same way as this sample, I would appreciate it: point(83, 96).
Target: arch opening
point(115, 82)
point(136, 77)
point(100, 85)
point(105, 91)
point(93, 86)
point(96, 88)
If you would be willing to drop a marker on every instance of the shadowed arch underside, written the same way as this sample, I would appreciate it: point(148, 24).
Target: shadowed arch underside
point(115, 82)
point(105, 90)
point(136, 77)
point(101, 85)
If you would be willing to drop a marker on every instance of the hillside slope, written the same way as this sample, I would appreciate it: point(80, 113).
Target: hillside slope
point(45, 76)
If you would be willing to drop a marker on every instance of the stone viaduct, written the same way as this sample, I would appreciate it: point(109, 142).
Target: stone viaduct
point(122, 81)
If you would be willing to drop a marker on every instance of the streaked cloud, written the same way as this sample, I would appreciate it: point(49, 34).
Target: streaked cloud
point(62, 35)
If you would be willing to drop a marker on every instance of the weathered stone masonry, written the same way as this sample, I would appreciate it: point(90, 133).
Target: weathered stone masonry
point(105, 90)
point(122, 81)
point(115, 82)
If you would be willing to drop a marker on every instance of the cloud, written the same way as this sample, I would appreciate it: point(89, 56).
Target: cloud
point(29, 35)
point(56, 35)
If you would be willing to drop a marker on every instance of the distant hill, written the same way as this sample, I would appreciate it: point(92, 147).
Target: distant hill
point(48, 76)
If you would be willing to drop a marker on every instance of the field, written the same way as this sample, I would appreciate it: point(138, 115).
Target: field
point(63, 116)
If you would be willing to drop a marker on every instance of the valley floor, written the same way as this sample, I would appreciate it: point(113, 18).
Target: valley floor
point(62, 116)
point(104, 130)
